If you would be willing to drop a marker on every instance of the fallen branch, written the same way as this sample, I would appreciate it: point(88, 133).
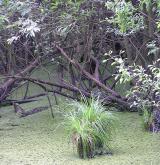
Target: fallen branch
point(7, 86)
point(22, 113)
point(113, 95)
point(9, 102)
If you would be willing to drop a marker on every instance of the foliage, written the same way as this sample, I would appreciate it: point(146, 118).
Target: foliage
point(126, 17)
point(3, 20)
point(124, 74)
point(73, 3)
point(86, 30)
point(90, 126)
point(147, 85)
point(146, 90)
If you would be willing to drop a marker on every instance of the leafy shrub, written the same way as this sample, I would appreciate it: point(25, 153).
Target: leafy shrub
point(145, 93)
point(90, 126)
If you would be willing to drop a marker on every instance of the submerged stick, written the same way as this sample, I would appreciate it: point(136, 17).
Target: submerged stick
point(22, 113)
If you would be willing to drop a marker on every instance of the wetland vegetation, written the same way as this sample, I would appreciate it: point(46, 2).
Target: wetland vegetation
point(79, 82)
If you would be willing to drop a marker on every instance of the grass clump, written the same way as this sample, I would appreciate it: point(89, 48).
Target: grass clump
point(90, 127)
point(147, 119)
